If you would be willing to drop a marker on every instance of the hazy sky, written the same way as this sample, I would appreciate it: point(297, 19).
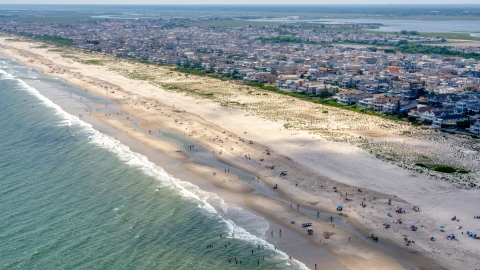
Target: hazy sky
point(243, 2)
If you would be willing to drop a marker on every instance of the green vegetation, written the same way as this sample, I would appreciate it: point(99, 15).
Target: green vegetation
point(13, 40)
point(290, 39)
point(441, 50)
point(56, 40)
point(94, 42)
point(451, 35)
point(69, 56)
point(445, 169)
point(405, 32)
point(140, 61)
point(463, 124)
point(97, 62)
point(283, 39)
point(442, 168)
point(421, 165)
point(194, 71)
point(208, 95)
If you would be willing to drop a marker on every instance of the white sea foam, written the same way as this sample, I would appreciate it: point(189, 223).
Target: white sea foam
point(207, 201)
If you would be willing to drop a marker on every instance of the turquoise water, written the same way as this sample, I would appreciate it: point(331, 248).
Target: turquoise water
point(68, 202)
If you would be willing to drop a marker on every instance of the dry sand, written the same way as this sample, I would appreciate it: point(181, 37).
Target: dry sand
point(340, 243)
point(336, 148)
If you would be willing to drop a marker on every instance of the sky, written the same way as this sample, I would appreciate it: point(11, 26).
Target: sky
point(243, 2)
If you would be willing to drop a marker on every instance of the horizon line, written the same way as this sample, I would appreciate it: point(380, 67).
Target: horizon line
point(140, 4)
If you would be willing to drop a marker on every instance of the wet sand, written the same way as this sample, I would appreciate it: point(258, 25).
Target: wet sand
point(217, 177)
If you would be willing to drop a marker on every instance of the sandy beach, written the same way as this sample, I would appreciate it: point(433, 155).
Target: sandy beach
point(218, 177)
point(340, 243)
point(318, 151)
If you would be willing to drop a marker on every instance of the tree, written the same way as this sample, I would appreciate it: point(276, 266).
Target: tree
point(411, 118)
point(404, 32)
point(463, 124)
point(422, 92)
point(324, 94)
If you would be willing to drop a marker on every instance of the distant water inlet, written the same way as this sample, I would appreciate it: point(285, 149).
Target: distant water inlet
point(70, 202)
point(410, 25)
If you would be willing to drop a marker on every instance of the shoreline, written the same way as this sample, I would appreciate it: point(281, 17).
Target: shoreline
point(176, 165)
point(233, 157)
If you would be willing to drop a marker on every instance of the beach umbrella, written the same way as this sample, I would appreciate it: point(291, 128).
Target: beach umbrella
point(442, 227)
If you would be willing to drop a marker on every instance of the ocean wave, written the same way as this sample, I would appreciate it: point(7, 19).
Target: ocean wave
point(230, 214)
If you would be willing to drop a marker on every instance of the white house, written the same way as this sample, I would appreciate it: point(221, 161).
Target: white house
point(475, 128)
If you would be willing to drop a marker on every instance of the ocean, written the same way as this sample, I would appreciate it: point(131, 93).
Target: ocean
point(74, 198)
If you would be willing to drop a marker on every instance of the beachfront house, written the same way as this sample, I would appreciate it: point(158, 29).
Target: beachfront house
point(367, 103)
point(431, 115)
point(475, 128)
point(449, 120)
point(420, 111)
point(351, 97)
point(392, 105)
